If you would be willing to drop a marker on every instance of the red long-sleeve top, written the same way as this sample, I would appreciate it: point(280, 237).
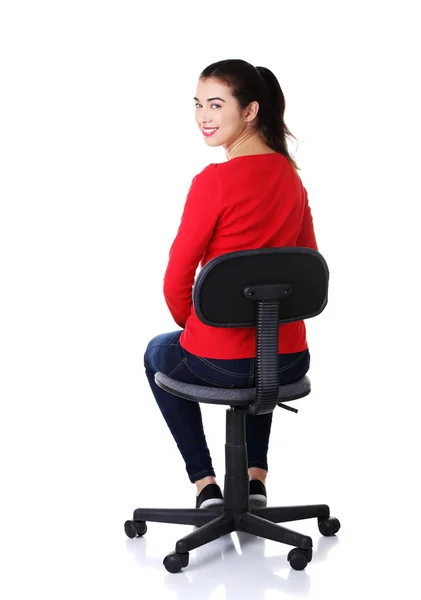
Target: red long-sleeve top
point(248, 202)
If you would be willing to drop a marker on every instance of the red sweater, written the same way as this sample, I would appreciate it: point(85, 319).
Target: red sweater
point(248, 202)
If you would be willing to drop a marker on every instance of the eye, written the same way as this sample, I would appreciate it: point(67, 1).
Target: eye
point(197, 104)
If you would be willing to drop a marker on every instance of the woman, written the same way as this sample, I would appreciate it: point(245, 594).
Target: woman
point(253, 200)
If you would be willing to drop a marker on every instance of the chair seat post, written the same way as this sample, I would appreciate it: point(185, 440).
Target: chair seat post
point(236, 490)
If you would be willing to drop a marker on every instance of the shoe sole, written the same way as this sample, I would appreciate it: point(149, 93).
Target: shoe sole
point(257, 501)
point(211, 502)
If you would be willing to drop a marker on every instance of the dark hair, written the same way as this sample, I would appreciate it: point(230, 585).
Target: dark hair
point(258, 84)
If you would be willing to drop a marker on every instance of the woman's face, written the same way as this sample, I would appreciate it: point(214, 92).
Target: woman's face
point(217, 108)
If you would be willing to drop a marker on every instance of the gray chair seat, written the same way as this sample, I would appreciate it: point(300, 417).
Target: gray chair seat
point(232, 397)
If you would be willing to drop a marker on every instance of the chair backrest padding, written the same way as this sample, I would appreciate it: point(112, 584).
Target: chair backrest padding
point(262, 288)
point(218, 292)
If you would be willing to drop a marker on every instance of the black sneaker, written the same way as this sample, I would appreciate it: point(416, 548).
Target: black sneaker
point(257, 494)
point(210, 495)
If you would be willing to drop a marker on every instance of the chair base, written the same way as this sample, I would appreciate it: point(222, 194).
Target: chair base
point(215, 522)
point(236, 514)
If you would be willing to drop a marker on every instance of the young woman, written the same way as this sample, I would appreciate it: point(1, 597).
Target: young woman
point(253, 200)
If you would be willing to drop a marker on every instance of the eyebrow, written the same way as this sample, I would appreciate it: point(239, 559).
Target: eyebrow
point(209, 99)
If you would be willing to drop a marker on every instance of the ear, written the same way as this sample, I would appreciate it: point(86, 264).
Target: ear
point(252, 110)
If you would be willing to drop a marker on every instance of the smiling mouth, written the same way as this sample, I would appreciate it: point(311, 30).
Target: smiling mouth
point(209, 130)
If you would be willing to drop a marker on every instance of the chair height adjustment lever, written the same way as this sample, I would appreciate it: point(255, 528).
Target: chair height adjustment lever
point(287, 407)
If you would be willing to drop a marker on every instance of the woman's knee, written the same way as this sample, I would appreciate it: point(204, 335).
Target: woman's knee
point(148, 354)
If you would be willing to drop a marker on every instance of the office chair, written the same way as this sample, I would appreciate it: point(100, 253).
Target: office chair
point(259, 288)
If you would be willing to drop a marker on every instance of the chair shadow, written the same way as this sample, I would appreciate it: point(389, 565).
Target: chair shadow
point(213, 565)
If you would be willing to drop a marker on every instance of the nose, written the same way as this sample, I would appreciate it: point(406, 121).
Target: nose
point(204, 121)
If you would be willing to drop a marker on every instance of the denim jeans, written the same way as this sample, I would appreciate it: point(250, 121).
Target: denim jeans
point(184, 418)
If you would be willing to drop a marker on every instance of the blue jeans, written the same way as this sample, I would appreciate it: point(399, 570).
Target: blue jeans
point(184, 418)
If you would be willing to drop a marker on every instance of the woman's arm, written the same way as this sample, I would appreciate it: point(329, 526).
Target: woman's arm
point(201, 212)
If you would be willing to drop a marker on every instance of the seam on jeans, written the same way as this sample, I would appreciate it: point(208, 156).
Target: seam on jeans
point(306, 368)
point(252, 361)
point(204, 472)
point(251, 374)
point(258, 464)
point(212, 383)
point(300, 374)
point(177, 367)
point(158, 346)
point(294, 362)
point(220, 369)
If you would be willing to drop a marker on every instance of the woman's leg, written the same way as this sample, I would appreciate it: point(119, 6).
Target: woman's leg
point(182, 416)
point(258, 429)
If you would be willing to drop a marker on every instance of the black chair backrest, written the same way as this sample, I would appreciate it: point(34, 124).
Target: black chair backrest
point(262, 288)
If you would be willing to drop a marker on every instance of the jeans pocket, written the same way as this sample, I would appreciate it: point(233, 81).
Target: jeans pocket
point(218, 375)
point(297, 372)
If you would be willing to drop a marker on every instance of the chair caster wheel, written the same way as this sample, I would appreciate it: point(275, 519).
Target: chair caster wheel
point(135, 528)
point(299, 558)
point(175, 561)
point(329, 526)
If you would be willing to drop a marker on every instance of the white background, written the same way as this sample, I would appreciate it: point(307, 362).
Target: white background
point(98, 149)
